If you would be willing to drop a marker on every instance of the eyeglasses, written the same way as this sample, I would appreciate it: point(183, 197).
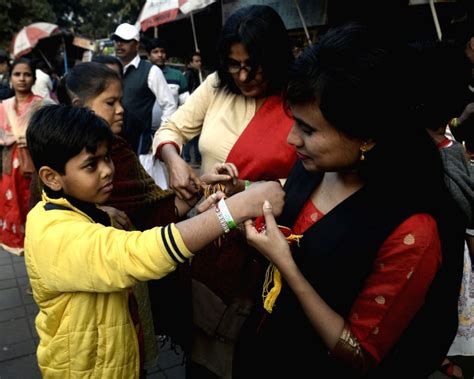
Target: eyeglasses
point(235, 68)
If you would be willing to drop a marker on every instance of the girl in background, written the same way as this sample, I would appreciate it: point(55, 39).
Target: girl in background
point(17, 167)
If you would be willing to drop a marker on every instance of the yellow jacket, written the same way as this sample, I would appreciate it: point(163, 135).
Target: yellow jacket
point(79, 272)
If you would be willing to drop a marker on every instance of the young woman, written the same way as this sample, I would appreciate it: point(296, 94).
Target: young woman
point(371, 288)
point(17, 169)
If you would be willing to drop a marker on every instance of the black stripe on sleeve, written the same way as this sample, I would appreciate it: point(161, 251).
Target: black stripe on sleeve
point(173, 243)
point(165, 243)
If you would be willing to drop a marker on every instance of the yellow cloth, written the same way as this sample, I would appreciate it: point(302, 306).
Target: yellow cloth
point(79, 273)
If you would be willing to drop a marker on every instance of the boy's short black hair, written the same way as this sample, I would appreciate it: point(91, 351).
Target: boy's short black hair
point(57, 133)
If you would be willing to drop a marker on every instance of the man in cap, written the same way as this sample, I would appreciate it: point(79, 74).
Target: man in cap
point(143, 84)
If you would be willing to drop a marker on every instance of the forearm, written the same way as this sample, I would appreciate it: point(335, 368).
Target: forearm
point(168, 154)
point(200, 230)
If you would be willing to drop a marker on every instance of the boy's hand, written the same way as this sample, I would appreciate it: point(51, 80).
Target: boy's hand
point(119, 219)
point(271, 191)
point(250, 201)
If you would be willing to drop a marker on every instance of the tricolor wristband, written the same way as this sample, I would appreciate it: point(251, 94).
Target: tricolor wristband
point(222, 221)
point(222, 207)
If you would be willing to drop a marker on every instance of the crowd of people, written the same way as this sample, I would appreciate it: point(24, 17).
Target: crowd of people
point(327, 229)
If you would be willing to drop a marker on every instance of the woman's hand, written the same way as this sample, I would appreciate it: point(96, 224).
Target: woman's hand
point(120, 219)
point(271, 242)
point(183, 180)
point(226, 174)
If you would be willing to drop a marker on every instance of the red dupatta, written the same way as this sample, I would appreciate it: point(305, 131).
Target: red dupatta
point(262, 152)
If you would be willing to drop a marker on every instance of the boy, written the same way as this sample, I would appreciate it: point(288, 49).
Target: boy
point(80, 268)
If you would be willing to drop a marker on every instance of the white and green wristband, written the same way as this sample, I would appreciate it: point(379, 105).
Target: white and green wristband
point(225, 218)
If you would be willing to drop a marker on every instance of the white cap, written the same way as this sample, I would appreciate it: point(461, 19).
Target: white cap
point(126, 32)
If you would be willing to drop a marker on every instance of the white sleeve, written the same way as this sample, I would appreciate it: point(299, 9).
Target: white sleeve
point(157, 84)
point(183, 97)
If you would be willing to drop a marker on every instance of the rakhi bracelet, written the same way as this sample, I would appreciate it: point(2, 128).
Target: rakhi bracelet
point(247, 184)
point(222, 206)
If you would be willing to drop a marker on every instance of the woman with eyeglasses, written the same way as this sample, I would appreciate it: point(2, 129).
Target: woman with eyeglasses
point(239, 113)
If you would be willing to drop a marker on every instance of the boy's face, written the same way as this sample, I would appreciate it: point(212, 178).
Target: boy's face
point(88, 177)
point(158, 56)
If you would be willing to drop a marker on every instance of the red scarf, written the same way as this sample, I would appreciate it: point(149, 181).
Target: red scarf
point(262, 152)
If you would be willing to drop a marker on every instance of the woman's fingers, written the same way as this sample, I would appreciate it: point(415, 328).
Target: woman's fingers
point(214, 178)
point(207, 203)
point(232, 170)
point(270, 221)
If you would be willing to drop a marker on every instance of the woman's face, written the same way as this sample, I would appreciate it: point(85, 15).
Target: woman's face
point(22, 78)
point(319, 145)
point(108, 105)
point(251, 84)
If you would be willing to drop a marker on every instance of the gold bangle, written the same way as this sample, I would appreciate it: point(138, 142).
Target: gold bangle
point(349, 351)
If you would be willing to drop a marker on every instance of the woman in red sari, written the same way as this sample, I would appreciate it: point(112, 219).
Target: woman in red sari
point(15, 114)
point(238, 112)
point(370, 289)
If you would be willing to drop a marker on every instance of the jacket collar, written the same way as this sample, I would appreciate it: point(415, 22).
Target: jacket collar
point(91, 211)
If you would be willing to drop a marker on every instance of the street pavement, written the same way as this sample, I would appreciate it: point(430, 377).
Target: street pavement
point(18, 338)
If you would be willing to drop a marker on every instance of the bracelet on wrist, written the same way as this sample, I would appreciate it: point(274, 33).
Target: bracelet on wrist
point(221, 209)
point(222, 221)
point(247, 184)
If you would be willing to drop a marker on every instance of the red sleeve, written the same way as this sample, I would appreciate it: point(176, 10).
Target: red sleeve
point(403, 271)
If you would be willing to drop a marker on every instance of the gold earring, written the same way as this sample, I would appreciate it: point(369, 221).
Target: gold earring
point(363, 149)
